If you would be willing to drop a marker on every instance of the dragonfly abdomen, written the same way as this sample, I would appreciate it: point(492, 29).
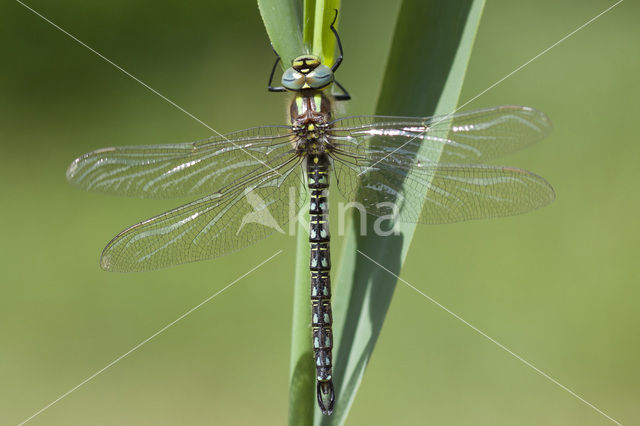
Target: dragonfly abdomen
point(320, 266)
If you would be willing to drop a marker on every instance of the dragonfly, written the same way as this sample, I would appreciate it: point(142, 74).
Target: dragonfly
point(246, 184)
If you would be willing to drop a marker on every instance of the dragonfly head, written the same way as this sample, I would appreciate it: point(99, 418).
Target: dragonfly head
point(307, 72)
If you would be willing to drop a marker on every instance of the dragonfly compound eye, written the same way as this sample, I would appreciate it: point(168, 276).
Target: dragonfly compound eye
point(320, 77)
point(293, 80)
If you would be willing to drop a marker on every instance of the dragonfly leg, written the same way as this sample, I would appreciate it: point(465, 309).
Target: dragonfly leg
point(335, 33)
point(273, 71)
point(344, 96)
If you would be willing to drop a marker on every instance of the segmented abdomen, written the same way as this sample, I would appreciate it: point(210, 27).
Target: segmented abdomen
point(320, 266)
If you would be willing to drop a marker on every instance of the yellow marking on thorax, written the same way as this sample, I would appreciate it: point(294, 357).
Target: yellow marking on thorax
point(300, 104)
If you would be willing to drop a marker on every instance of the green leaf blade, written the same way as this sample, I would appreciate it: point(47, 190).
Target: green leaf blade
point(425, 72)
point(283, 22)
point(424, 76)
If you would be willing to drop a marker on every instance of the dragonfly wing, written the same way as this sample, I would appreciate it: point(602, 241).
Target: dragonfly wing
point(465, 137)
point(442, 193)
point(179, 170)
point(217, 224)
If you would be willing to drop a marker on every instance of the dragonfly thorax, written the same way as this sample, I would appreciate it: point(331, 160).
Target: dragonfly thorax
point(310, 107)
point(307, 73)
point(310, 116)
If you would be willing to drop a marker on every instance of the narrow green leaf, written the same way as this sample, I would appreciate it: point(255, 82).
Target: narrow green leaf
point(324, 41)
point(302, 377)
point(436, 39)
point(308, 22)
point(318, 16)
point(283, 21)
point(424, 76)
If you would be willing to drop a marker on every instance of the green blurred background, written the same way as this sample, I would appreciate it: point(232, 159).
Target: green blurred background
point(558, 286)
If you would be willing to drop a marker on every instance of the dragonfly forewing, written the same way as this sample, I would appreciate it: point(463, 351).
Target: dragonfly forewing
point(464, 137)
point(181, 170)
